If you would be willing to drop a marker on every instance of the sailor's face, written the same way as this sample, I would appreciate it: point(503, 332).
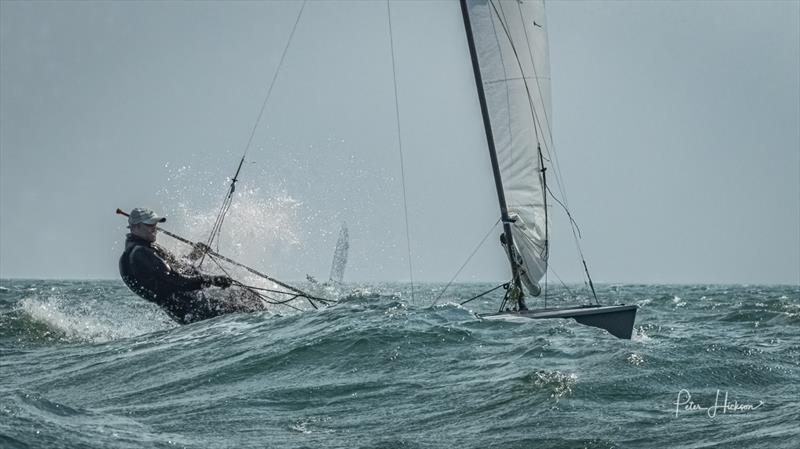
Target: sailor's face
point(145, 231)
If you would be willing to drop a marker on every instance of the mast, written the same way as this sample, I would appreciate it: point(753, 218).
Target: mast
point(498, 181)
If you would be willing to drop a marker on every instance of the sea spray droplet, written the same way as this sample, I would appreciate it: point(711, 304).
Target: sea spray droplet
point(635, 359)
point(559, 384)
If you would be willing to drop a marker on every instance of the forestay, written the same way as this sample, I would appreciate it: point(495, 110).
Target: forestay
point(511, 43)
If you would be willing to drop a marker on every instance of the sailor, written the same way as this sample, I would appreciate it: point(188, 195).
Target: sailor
point(156, 275)
point(515, 289)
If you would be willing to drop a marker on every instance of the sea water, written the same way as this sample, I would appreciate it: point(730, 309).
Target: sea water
point(86, 364)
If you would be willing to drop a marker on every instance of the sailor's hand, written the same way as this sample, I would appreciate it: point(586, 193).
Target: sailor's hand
point(198, 250)
point(201, 247)
point(223, 281)
point(220, 281)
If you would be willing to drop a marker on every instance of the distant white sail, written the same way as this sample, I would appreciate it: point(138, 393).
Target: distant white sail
point(340, 256)
point(511, 43)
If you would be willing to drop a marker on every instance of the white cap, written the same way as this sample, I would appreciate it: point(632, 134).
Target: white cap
point(144, 216)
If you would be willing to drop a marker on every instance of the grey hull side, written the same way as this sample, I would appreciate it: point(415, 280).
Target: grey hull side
point(617, 320)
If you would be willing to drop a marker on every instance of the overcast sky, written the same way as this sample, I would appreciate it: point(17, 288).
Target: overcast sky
point(676, 124)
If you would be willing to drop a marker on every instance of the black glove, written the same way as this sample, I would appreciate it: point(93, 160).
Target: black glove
point(198, 250)
point(219, 281)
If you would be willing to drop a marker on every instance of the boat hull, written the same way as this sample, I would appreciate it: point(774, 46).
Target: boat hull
point(617, 320)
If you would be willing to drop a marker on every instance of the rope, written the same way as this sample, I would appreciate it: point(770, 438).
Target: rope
point(266, 298)
point(465, 263)
point(400, 147)
point(263, 298)
point(486, 293)
point(566, 211)
point(284, 292)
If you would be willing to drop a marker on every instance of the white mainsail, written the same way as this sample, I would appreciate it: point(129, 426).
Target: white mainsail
point(511, 45)
point(340, 255)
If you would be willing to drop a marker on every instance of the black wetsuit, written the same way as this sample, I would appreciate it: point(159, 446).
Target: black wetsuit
point(156, 275)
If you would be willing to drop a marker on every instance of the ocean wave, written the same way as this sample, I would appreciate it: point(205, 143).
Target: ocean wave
point(36, 313)
point(95, 366)
point(32, 420)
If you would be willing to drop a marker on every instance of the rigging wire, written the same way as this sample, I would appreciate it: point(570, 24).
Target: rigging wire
point(284, 292)
point(263, 298)
point(400, 147)
point(267, 299)
point(465, 263)
point(226, 204)
point(566, 211)
point(228, 200)
point(505, 285)
point(570, 292)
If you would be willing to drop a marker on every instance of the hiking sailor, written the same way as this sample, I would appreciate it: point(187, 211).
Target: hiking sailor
point(179, 288)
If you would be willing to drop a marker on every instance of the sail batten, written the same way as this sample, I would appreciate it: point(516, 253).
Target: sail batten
point(511, 48)
point(505, 80)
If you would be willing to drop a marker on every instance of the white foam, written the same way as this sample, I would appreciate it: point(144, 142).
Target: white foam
point(640, 336)
point(88, 325)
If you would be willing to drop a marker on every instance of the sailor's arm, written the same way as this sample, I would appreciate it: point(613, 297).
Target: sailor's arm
point(164, 274)
point(177, 264)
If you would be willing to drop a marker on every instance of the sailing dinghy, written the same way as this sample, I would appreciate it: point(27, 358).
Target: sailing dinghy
point(508, 47)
